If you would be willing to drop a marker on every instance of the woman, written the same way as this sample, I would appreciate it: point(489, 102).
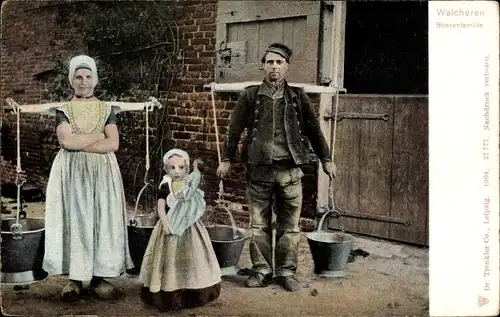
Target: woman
point(85, 214)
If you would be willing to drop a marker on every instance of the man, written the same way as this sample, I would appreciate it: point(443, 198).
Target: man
point(283, 133)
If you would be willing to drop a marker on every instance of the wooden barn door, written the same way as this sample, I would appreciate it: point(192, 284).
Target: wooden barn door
point(246, 28)
point(410, 169)
point(381, 152)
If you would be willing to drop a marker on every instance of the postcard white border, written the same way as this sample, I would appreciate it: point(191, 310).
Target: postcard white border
point(463, 147)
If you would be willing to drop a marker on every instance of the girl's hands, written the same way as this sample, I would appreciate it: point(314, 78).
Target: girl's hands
point(166, 227)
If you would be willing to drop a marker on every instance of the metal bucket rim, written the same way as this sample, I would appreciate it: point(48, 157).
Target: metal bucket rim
point(312, 236)
point(240, 230)
point(143, 216)
point(141, 227)
point(24, 232)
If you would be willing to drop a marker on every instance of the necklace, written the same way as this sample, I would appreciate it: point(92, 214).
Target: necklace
point(84, 97)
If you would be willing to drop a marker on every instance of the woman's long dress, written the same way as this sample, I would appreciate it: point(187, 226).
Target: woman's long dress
point(180, 271)
point(85, 215)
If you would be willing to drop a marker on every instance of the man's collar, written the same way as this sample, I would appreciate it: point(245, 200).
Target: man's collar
point(268, 88)
point(265, 89)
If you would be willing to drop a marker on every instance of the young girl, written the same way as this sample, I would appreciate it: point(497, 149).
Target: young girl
point(179, 269)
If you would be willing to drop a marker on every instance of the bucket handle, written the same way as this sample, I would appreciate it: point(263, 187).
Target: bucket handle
point(320, 226)
point(132, 220)
point(332, 209)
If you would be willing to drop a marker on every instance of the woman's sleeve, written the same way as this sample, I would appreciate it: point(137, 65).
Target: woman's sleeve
point(112, 118)
point(113, 115)
point(61, 117)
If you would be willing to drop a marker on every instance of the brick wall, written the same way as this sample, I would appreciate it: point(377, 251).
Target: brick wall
point(32, 38)
point(190, 117)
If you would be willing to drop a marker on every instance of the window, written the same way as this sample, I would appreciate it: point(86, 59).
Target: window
point(386, 48)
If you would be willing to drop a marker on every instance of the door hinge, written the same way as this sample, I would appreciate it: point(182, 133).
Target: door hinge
point(362, 116)
point(359, 215)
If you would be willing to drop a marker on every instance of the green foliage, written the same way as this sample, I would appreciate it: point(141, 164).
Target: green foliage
point(133, 43)
point(58, 86)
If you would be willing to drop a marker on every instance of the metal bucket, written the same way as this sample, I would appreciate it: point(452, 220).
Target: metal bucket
point(22, 250)
point(227, 246)
point(330, 250)
point(139, 231)
point(227, 241)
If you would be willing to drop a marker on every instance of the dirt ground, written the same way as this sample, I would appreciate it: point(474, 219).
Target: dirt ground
point(391, 281)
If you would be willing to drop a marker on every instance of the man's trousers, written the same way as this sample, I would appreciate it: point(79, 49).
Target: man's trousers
point(282, 182)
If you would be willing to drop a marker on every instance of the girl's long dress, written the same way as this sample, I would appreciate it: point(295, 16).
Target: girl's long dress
point(85, 215)
point(181, 270)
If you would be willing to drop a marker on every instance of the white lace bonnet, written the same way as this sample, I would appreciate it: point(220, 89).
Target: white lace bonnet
point(83, 61)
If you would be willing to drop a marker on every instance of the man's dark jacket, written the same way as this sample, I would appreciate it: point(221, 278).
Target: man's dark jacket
point(303, 133)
